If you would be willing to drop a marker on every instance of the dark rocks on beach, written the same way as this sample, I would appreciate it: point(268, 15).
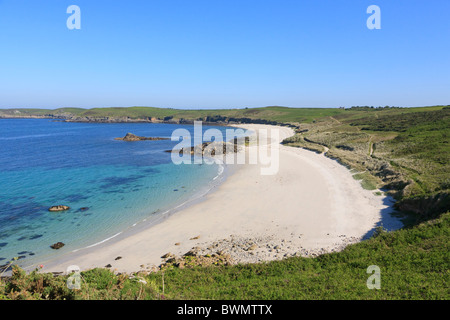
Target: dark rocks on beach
point(58, 208)
point(192, 253)
point(57, 245)
point(194, 258)
point(168, 255)
point(132, 137)
point(118, 258)
point(108, 266)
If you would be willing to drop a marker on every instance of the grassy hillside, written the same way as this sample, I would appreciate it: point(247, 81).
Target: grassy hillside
point(274, 113)
point(404, 151)
point(278, 114)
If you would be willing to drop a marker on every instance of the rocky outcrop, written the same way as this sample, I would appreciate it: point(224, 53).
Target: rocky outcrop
point(58, 208)
point(209, 148)
point(132, 137)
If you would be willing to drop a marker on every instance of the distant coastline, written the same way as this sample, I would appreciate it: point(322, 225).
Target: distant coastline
point(107, 119)
point(149, 115)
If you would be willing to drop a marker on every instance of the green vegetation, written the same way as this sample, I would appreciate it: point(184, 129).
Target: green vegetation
point(368, 182)
point(414, 264)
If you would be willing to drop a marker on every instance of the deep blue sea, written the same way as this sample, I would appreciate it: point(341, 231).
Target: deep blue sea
point(45, 163)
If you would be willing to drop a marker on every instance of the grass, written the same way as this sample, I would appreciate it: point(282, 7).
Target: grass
point(368, 181)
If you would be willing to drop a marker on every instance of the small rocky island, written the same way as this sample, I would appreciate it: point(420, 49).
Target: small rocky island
point(215, 147)
point(133, 137)
point(58, 208)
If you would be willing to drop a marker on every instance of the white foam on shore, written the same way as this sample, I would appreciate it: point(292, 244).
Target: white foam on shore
point(98, 243)
point(220, 169)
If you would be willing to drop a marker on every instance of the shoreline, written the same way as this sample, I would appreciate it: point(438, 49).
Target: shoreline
point(311, 206)
point(139, 226)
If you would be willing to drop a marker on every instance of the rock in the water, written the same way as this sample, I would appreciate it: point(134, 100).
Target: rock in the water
point(132, 137)
point(57, 245)
point(58, 208)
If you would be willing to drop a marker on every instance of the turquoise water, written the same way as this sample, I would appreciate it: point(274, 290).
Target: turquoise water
point(45, 163)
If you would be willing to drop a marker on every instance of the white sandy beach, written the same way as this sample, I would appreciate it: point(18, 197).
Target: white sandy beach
point(311, 205)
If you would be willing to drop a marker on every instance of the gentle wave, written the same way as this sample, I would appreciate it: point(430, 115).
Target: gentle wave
point(220, 169)
point(98, 243)
point(34, 136)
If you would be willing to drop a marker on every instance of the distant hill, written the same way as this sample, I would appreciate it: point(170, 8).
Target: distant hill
point(270, 115)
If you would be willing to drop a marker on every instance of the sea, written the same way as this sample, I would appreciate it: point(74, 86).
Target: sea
point(110, 186)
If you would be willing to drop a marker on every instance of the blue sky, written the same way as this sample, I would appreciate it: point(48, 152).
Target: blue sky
point(224, 53)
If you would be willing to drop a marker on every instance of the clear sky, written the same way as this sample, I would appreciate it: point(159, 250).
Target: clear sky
point(224, 53)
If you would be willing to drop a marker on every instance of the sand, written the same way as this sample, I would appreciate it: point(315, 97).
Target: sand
point(310, 206)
